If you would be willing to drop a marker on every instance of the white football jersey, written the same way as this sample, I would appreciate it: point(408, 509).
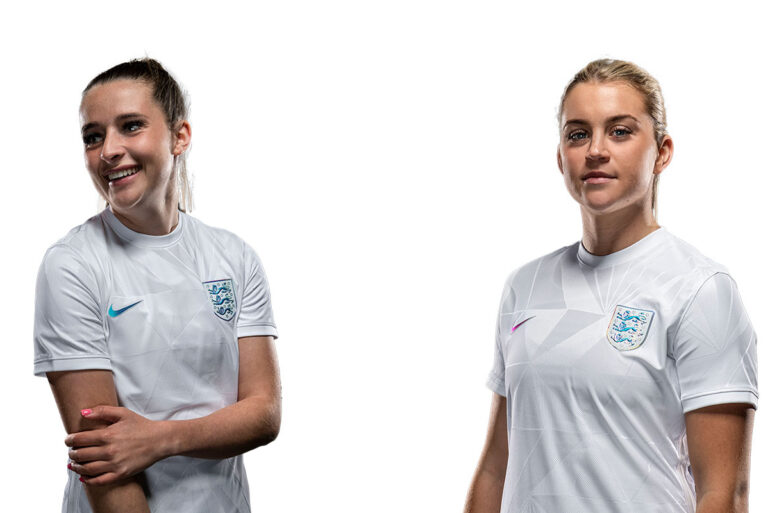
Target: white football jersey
point(164, 314)
point(599, 358)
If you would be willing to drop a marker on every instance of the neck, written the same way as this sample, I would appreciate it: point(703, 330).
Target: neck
point(607, 233)
point(160, 221)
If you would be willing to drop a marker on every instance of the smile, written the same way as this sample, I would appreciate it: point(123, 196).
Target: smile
point(122, 173)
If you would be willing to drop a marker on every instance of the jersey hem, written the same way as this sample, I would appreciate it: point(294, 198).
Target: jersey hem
point(496, 385)
point(721, 397)
point(263, 330)
point(71, 364)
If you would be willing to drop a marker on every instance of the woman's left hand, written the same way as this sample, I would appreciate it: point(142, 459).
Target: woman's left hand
point(130, 444)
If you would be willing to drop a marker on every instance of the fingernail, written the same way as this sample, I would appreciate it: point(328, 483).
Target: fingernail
point(81, 479)
point(85, 412)
point(69, 466)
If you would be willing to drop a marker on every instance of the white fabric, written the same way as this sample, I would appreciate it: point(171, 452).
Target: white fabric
point(594, 424)
point(172, 357)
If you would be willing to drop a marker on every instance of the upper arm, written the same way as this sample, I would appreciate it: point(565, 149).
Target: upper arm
point(258, 375)
point(494, 455)
point(715, 348)
point(716, 363)
point(76, 390)
point(69, 331)
point(719, 443)
point(255, 317)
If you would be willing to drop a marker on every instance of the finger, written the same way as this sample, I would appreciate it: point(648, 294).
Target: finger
point(93, 469)
point(85, 438)
point(108, 478)
point(98, 453)
point(103, 412)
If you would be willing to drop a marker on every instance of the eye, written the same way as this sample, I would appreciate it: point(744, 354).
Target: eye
point(620, 132)
point(577, 135)
point(91, 139)
point(132, 126)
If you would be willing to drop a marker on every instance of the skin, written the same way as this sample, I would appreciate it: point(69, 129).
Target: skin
point(111, 446)
point(605, 128)
point(123, 126)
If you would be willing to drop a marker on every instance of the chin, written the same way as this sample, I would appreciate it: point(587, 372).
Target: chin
point(123, 202)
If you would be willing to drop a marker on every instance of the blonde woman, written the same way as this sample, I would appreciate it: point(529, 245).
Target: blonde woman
point(624, 371)
point(154, 330)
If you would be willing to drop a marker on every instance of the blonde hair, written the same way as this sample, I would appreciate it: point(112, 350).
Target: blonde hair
point(613, 70)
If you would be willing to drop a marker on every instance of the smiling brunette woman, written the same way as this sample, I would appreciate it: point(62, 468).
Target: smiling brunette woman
point(624, 373)
point(155, 331)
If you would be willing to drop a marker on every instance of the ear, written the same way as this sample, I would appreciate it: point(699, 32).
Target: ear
point(558, 159)
point(665, 153)
point(182, 138)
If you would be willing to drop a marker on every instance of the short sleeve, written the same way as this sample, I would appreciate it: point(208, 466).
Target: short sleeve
point(716, 348)
point(256, 315)
point(69, 332)
point(496, 378)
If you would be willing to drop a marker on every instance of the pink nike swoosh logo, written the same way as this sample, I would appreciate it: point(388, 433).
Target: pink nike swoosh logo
point(522, 322)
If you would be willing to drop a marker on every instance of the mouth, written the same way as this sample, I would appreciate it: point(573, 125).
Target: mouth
point(123, 172)
point(597, 177)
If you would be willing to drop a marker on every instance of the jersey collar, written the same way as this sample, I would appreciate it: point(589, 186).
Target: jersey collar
point(633, 251)
point(142, 239)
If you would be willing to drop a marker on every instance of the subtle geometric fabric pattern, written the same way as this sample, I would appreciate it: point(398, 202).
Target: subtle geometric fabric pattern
point(596, 429)
point(171, 355)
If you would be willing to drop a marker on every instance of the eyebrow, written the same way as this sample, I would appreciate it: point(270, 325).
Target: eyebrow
point(613, 119)
point(122, 117)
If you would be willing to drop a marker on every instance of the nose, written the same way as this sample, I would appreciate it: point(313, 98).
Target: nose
point(597, 150)
point(112, 150)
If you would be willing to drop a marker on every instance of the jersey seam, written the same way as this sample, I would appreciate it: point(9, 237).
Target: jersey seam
point(720, 391)
point(88, 357)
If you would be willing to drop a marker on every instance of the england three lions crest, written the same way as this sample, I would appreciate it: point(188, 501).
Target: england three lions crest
point(628, 327)
point(222, 297)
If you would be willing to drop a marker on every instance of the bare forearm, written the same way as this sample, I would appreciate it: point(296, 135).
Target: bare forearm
point(124, 497)
point(486, 493)
point(233, 430)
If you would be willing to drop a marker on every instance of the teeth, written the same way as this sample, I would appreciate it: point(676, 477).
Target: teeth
point(121, 174)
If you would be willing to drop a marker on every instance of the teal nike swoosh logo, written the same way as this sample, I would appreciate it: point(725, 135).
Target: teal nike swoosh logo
point(115, 313)
point(522, 322)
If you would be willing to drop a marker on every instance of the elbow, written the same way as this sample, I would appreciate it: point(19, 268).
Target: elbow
point(269, 427)
point(270, 431)
point(741, 497)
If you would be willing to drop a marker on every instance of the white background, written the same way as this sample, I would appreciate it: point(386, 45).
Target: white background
point(391, 162)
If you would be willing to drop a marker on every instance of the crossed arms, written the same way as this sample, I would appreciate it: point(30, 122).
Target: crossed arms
point(112, 446)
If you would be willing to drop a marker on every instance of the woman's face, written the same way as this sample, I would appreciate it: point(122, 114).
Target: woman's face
point(129, 148)
point(607, 149)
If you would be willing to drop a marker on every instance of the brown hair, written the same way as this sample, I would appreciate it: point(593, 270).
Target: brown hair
point(171, 99)
point(612, 70)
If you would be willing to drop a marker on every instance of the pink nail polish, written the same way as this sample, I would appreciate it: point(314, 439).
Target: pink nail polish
point(69, 466)
point(85, 412)
point(81, 479)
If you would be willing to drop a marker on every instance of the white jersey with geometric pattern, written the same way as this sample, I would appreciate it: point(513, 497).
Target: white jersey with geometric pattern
point(164, 314)
point(599, 358)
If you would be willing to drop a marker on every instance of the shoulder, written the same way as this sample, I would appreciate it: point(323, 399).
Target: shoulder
point(543, 267)
point(79, 248)
point(684, 263)
point(685, 255)
point(199, 229)
point(224, 242)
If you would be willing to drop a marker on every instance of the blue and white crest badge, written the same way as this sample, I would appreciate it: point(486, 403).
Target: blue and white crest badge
point(628, 327)
point(222, 297)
